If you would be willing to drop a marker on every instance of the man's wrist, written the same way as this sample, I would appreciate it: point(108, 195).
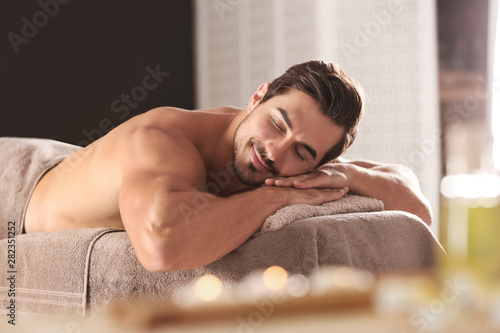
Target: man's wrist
point(273, 195)
point(350, 171)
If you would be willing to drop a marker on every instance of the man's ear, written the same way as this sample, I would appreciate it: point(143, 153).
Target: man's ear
point(257, 97)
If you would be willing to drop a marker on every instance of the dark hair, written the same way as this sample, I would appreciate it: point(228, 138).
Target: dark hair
point(338, 95)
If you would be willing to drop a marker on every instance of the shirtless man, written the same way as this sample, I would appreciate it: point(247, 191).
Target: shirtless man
point(150, 174)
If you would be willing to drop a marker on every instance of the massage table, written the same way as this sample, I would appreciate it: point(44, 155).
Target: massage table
point(77, 271)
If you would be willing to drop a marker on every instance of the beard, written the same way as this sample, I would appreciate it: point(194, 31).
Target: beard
point(246, 172)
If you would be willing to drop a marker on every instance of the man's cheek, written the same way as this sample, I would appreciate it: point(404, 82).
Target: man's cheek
point(263, 130)
point(291, 170)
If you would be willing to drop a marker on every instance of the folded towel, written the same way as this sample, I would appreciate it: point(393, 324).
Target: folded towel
point(23, 162)
point(347, 204)
point(51, 272)
point(387, 241)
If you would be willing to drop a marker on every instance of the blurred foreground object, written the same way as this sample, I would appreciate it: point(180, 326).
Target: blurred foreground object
point(470, 221)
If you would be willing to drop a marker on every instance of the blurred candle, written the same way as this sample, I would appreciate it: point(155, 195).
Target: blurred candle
point(208, 288)
point(344, 277)
point(275, 278)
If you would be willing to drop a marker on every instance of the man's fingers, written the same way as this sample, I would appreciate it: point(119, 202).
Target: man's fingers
point(278, 182)
point(322, 180)
point(332, 195)
point(317, 180)
point(285, 181)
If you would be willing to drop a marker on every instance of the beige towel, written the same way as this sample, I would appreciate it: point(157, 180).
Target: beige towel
point(23, 162)
point(51, 272)
point(387, 241)
point(347, 204)
point(59, 273)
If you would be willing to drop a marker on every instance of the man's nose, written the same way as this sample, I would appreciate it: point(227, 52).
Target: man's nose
point(276, 151)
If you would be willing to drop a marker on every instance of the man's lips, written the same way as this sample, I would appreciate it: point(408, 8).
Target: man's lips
point(258, 162)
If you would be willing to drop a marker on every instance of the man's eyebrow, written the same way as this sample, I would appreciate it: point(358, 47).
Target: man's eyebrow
point(285, 118)
point(310, 149)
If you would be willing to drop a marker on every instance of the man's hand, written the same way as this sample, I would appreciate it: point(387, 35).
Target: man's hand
point(327, 183)
point(331, 176)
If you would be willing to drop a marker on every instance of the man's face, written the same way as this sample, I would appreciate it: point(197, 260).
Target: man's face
point(285, 136)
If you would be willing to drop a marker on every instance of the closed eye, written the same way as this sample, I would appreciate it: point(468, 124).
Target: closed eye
point(298, 154)
point(277, 126)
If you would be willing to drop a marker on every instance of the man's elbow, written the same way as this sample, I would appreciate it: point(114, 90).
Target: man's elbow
point(422, 209)
point(425, 214)
point(155, 253)
point(156, 261)
point(419, 205)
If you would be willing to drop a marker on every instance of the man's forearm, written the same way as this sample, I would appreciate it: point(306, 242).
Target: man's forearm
point(189, 229)
point(396, 191)
point(204, 227)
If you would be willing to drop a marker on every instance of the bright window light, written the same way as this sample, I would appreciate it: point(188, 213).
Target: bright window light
point(495, 114)
point(471, 186)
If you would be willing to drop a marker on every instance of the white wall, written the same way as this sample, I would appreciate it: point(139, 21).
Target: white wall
point(387, 45)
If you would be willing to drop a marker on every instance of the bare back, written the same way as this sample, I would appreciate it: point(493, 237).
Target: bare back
point(83, 190)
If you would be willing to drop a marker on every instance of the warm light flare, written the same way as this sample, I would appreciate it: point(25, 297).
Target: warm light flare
point(208, 288)
point(344, 277)
point(275, 278)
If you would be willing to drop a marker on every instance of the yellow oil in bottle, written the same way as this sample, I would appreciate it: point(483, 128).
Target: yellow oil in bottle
point(484, 241)
point(470, 231)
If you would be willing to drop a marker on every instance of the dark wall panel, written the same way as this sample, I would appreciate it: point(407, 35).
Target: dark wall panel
point(72, 70)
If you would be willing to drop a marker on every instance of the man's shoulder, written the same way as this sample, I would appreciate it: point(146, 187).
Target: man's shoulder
point(172, 119)
point(155, 151)
point(161, 117)
point(156, 125)
point(166, 136)
point(162, 140)
point(171, 113)
point(159, 137)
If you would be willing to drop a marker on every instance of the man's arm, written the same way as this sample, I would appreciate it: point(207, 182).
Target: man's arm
point(171, 223)
point(395, 185)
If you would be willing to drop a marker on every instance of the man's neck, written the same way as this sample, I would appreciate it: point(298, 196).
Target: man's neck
point(219, 156)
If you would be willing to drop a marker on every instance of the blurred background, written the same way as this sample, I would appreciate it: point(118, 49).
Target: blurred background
point(73, 70)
